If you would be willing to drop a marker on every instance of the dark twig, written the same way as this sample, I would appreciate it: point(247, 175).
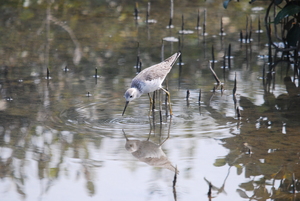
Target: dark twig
point(209, 190)
point(204, 23)
point(153, 99)
point(199, 98)
point(214, 74)
point(140, 66)
point(241, 36)
point(259, 26)
point(174, 184)
point(175, 177)
point(198, 20)
point(187, 94)
point(212, 53)
point(224, 65)
point(48, 74)
point(171, 15)
point(182, 23)
point(162, 50)
point(234, 90)
point(229, 55)
point(136, 11)
point(222, 33)
point(238, 112)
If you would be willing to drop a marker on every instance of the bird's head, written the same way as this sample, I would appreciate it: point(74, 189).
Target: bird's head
point(132, 145)
point(131, 94)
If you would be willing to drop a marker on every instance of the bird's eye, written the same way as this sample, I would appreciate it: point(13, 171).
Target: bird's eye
point(130, 96)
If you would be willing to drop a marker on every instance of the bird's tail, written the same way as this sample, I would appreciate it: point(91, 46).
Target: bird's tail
point(172, 59)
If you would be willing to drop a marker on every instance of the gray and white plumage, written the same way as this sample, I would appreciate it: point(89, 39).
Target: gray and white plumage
point(150, 153)
point(150, 79)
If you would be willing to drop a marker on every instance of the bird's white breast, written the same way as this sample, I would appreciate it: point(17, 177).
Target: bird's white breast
point(152, 85)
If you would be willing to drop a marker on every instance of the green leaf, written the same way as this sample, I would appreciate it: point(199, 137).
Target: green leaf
point(53, 172)
point(91, 188)
point(242, 193)
point(293, 35)
point(220, 162)
point(288, 10)
point(225, 3)
point(248, 186)
point(239, 169)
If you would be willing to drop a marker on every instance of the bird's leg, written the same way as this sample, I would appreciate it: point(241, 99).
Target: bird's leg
point(168, 94)
point(153, 100)
point(168, 133)
point(151, 103)
point(149, 133)
point(159, 98)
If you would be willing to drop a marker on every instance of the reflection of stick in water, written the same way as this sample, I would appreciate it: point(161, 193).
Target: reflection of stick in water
point(212, 187)
point(77, 52)
point(174, 184)
point(149, 152)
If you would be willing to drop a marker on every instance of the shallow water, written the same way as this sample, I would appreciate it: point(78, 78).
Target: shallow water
point(62, 138)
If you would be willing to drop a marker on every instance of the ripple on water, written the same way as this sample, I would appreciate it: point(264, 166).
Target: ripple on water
point(91, 117)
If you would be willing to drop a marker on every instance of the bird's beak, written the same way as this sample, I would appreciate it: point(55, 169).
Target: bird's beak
point(125, 135)
point(125, 107)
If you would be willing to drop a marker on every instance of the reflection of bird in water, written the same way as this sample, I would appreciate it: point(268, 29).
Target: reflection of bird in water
point(149, 152)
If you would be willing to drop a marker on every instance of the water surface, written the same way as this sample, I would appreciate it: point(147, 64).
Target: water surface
point(62, 138)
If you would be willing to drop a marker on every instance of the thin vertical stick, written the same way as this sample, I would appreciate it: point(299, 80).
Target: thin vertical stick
point(204, 23)
point(160, 107)
point(229, 55)
point(238, 112)
point(234, 90)
point(224, 64)
point(48, 74)
point(250, 29)
point(198, 20)
point(187, 94)
point(246, 37)
point(162, 50)
point(48, 12)
point(182, 23)
point(270, 47)
point(138, 58)
point(153, 99)
point(148, 12)
point(221, 27)
point(213, 56)
point(259, 26)
point(171, 14)
point(136, 11)
point(140, 66)
point(174, 184)
point(175, 177)
point(179, 44)
point(241, 36)
point(166, 102)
